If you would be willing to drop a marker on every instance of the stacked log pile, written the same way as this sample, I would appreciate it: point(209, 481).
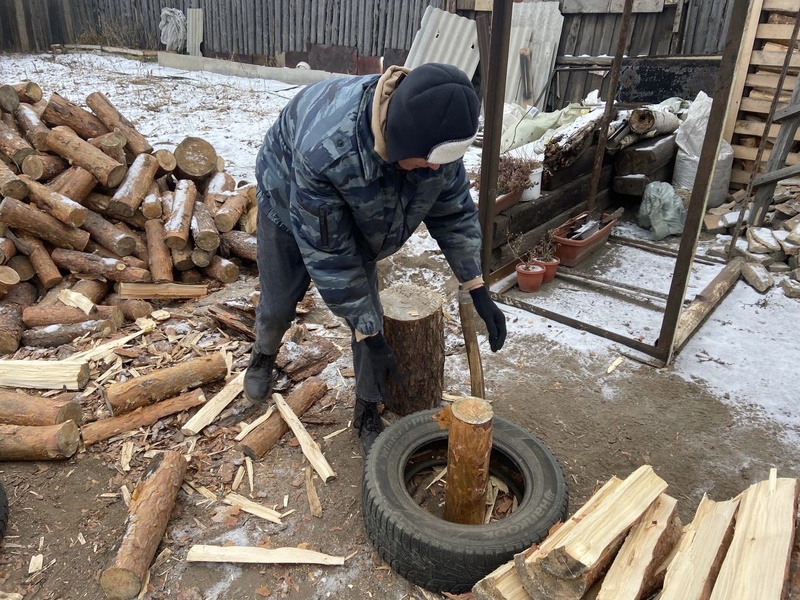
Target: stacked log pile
point(627, 542)
point(84, 193)
point(768, 251)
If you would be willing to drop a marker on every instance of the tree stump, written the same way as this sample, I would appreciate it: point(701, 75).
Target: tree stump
point(413, 325)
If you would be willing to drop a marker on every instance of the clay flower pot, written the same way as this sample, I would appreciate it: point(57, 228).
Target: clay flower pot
point(529, 277)
point(550, 267)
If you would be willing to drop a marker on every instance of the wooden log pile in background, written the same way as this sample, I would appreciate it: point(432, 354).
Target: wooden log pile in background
point(84, 193)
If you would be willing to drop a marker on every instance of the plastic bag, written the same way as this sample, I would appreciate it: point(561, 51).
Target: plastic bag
point(690, 137)
point(661, 210)
point(173, 29)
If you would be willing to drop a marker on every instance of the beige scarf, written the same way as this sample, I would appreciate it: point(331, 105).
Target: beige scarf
point(380, 105)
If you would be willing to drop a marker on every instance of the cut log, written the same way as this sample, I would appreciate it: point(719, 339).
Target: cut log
point(141, 417)
point(258, 555)
point(100, 203)
point(182, 259)
point(204, 232)
point(112, 145)
point(140, 243)
point(60, 111)
point(131, 309)
point(28, 91)
point(35, 316)
point(414, 327)
point(43, 167)
point(10, 184)
point(7, 249)
point(240, 244)
point(13, 146)
point(222, 270)
point(9, 99)
point(94, 290)
point(219, 187)
point(74, 183)
point(229, 213)
point(108, 235)
point(165, 383)
point(234, 319)
point(53, 336)
point(571, 568)
point(309, 358)
point(151, 506)
point(19, 215)
point(114, 270)
point(50, 298)
point(34, 130)
point(469, 446)
point(113, 119)
point(48, 442)
point(692, 572)
point(8, 120)
point(11, 307)
point(260, 440)
point(195, 158)
point(151, 205)
point(249, 221)
point(166, 161)
point(101, 251)
point(211, 410)
point(34, 411)
point(22, 265)
point(179, 219)
point(44, 374)
point(64, 142)
point(191, 277)
point(46, 271)
point(160, 259)
point(131, 192)
point(57, 205)
point(203, 258)
point(504, 583)
point(635, 572)
point(757, 562)
point(161, 291)
point(8, 279)
point(310, 448)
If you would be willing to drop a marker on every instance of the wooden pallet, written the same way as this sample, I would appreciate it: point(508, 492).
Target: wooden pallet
point(764, 46)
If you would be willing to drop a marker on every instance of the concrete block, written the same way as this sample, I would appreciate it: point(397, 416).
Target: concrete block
point(757, 276)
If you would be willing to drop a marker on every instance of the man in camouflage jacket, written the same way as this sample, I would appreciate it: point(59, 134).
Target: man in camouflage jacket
point(347, 173)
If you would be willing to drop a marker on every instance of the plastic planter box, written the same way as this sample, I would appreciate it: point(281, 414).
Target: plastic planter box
point(572, 252)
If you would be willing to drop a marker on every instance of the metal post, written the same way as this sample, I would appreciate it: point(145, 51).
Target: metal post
point(705, 168)
point(493, 125)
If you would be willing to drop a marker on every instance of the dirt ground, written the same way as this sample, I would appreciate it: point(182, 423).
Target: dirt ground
point(72, 512)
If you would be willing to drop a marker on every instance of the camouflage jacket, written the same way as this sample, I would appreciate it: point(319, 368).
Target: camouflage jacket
point(320, 178)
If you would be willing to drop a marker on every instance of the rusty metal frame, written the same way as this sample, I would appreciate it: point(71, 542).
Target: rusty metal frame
point(663, 349)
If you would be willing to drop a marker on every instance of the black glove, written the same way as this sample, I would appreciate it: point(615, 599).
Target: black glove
point(493, 317)
point(383, 362)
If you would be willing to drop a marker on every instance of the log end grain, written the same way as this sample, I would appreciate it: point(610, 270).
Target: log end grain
point(9, 100)
point(116, 175)
point(195, 157)
point(472, 410)
point(71, 411)
point(15, 188)
point(69, 438)
point(166, 160)
point(120, 584)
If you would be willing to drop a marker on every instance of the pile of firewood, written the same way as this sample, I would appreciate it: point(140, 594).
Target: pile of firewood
point(627, 542)
point(773, 249)
point(83, 192)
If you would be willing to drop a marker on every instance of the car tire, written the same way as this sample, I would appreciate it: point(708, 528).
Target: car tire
point(449, 557)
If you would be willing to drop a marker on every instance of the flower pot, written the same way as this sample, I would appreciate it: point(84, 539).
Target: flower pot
point(529, 277)
point(535, 190)
point(572, 252)
point(550, 267)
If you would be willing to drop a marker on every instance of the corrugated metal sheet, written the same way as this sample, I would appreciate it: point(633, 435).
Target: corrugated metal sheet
point(445, 38)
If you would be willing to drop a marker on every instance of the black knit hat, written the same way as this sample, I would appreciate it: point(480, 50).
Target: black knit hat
point(432, 114)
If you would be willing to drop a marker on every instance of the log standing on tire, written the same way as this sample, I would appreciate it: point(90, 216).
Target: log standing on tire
point(345, 176)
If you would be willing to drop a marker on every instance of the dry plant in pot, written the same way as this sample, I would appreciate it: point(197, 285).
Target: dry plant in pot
point(544, 255)
point(529, 274)
point(513, 178)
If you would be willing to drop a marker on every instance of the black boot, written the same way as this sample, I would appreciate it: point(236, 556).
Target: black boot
point(368, 422)
point(258, 378)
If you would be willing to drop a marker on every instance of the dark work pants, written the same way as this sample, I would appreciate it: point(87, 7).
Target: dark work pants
point(284, 281)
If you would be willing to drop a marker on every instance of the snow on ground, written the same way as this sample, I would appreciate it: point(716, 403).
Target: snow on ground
point(747, 353)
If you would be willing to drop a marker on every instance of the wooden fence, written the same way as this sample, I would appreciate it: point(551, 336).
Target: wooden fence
point(258, 30)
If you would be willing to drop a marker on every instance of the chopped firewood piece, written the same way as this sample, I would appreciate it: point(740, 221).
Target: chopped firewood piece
point(77, 300)
point(211, 410)
point(151, 505)
point(758, 558)
point(248, 554)
point(314, 505)
point(44, 374)
point(300, 361)
point(253, 508)
point(148, 291)
point(310, 448)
